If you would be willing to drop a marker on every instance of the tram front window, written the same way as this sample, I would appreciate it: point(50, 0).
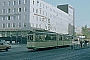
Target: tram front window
point(30, 38)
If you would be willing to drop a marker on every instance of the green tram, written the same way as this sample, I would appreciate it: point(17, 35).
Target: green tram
point(37, 40)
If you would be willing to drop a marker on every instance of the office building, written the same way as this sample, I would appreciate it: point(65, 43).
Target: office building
point(18, 17)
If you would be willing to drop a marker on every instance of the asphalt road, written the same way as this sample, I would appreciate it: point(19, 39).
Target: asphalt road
point(21, 53)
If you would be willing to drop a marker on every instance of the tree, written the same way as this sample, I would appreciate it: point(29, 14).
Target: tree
point(86, 31)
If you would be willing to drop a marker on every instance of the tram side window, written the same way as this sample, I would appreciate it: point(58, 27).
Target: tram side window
point(60, 38)
point(49, 37)
point(39, 38)
point(36, 38)
point(53, 37)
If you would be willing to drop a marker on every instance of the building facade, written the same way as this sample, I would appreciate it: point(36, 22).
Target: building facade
point(18, 17)
point(70, 11)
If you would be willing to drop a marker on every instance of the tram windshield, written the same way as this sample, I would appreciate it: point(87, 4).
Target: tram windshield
point(30, 38)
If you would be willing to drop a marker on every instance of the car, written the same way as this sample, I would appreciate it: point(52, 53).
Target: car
point(4, 46)
point(76, 41)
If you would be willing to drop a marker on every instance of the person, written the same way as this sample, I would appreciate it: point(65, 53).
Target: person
point(81, 44)
point(71, 46)
point(85, 43)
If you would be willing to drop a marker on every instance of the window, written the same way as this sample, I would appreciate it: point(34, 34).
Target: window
point(32, 25)
point(36, 25)
point(8, 25)
point(46, 13)
point(45, 27)
point(3, 10)
point(13, 24)
point(3, 3)
point(50, 15)
point(14, 10)
point(37, 3)
point(3, 18)
point(33, 9)
point(8, 17)
point(3, 25)
point(43, 19)
point(25, 9)
point(50, 9)
point(37, 18)
point(33, 17)
point(39, 25)
point(14, 17)
point(19, 9)
point(19, 24)
point(8, 10)
point(25, 1)
point(46, 7)
point(33, 2)
point(40, 18)
point(19, 1)
point(40, 4)
point(24, 24)
point(43, 12)
point(9, 3)
point(43, 5)
point(14, 2)
point(40, 11)
point(36, 10)
point(25, 17)
point(48, 20)
point(19, 17)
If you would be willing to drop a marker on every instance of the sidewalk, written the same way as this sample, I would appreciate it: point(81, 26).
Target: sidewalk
point(18, 45)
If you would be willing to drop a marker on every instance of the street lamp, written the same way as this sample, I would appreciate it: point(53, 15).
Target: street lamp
point(16, 39)
point(16, 36)
point(21, 39)
point(11, 37)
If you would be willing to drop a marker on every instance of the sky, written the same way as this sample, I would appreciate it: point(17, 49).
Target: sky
point(82, 10)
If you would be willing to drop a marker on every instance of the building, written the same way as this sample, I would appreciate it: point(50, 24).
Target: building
point(70, 11)
point(18, 17)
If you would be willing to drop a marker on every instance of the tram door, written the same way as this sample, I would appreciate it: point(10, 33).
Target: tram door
point(30, 37)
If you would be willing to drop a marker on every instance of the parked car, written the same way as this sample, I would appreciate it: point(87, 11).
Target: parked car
point(4, 46)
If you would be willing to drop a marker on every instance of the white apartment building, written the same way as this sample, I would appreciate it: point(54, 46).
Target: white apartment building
point(18, 17)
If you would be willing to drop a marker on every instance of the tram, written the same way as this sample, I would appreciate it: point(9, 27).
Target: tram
point(38, 39)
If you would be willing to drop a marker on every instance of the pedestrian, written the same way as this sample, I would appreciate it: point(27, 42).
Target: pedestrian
point(81, 44)
point(85, 43)
point(71, 46)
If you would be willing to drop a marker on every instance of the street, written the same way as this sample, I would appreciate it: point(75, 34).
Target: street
point(21, 53)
